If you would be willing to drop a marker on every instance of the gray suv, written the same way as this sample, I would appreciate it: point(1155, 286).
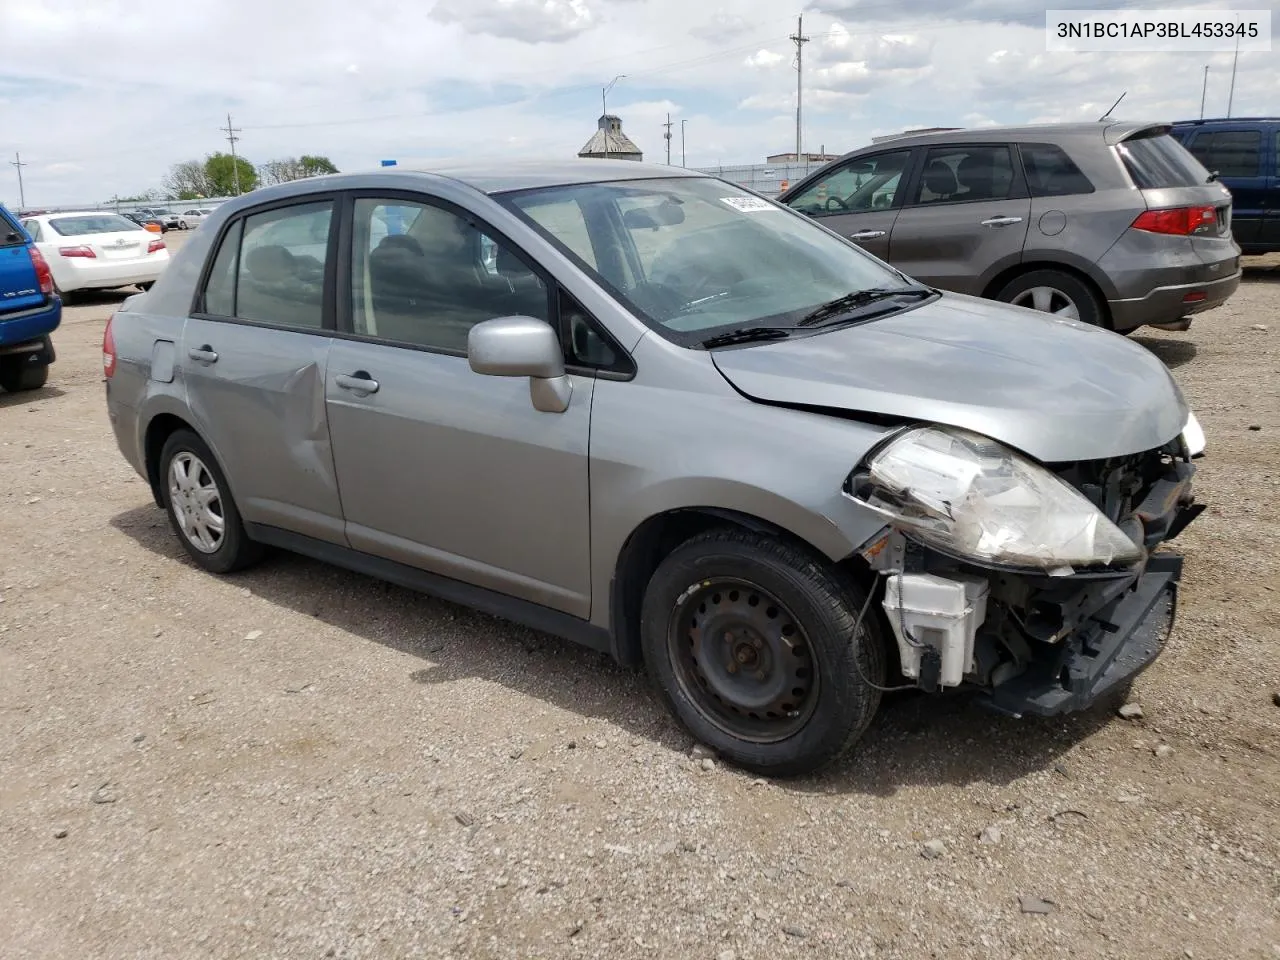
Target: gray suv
point(658, 414)
point(1114, 224)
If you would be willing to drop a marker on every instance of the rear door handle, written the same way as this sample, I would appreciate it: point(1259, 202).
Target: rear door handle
point(867, 235)
point(203, 354)
point(358, 382)
point(1001, 221)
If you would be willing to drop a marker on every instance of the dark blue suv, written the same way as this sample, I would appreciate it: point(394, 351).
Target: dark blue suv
point(29, 309)
point(1245, 154)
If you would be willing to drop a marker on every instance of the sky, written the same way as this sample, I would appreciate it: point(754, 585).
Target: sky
point(101, 97)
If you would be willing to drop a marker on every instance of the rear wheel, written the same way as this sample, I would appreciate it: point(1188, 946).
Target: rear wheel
point(201, 510)
point(23, 372)
point(749, 640)
point(1055, 292)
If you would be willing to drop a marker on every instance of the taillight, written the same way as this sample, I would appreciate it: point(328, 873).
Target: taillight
point(108, 349)
point(80, 251)
point(43, 274)
point(155, 246)
point(1179, 221)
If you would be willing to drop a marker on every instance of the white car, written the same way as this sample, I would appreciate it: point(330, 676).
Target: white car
point(190, 219)
point(97, 250)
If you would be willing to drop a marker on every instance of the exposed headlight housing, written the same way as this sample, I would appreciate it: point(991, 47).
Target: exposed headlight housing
point(1193, 436)
point(976, 498)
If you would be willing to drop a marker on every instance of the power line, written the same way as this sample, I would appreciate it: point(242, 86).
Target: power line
point(235, 164)
point(17, 161)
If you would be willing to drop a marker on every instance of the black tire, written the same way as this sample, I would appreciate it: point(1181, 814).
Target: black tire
point(833, 706)
point(1071, 288)
point(232, 550)
point(23, 372)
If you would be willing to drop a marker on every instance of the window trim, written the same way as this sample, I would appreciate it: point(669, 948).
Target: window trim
point(326, 327)
point(1017, 187)
point(908, 172)
point(345, 327)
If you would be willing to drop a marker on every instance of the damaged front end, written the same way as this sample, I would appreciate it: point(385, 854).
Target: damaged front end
point(1043, 586)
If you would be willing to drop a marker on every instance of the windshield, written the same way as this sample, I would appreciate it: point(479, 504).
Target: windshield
point(694, 255)
point(97, 223)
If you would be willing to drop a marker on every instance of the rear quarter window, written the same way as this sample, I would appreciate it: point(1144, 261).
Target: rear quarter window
point(1051, 172)
point(1160, 162)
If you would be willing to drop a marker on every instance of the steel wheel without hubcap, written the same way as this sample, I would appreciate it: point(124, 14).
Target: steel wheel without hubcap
point(196, 502)
point(1048, 300)
point(743, 660)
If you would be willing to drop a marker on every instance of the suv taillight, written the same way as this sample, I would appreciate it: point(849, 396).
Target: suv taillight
point(108, 349)
point(1178, 221)
point(44, 276)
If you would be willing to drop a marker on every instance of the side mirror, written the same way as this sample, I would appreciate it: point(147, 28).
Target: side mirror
point(522, 347)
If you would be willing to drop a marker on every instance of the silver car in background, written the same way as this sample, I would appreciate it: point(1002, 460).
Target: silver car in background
point(653, 412)
point(1112, 223)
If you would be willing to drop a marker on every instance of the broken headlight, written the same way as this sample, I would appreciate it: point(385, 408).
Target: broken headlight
point(973, 497)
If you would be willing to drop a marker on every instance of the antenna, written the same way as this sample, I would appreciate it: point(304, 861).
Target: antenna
point(1234, 61)
point(1112, 107)
point(1204, 89)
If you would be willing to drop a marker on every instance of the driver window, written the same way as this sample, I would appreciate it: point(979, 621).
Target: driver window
point(860, 186)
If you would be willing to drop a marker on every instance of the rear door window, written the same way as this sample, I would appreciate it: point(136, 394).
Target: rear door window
point(1050, 172)
point(963, 173)
point(1229, 153)
point(1160, 162)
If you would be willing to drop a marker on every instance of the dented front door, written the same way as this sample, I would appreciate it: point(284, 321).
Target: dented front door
point(258, 394)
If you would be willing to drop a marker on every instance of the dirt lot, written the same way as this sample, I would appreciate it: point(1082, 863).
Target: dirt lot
point(299, 762)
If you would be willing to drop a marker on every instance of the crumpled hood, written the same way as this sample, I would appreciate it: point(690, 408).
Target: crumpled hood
point(1055, 389)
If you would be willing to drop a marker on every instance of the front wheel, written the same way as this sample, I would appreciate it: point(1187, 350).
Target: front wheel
point(23, 372)
point(750, 642)
point(201, 510)
point(1055, 292)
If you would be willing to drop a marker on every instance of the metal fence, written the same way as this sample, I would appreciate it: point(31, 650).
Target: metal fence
point(117, 206)
point(769, 179)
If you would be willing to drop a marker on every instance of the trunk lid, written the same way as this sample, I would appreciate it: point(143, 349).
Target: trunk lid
point(1055, 389)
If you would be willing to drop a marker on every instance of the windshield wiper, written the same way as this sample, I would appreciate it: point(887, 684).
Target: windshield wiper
point(747, 335)
point(860, 298)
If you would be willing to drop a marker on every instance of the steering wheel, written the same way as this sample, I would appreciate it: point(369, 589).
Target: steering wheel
point(838, 202)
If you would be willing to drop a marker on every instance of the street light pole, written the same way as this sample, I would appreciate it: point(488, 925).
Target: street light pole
point(682, 154)
point(604, 104)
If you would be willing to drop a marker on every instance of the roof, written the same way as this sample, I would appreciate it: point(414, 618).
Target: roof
point(1113, 131)
point(487, 176)
point(1194, 123)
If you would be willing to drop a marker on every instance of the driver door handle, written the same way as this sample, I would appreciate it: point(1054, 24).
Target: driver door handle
point(358, 382)
point(867, 235)
point(204, 354)
point(1001, 221)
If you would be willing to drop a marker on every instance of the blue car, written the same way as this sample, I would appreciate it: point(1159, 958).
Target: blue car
point(29, 309)
point(1244, 152)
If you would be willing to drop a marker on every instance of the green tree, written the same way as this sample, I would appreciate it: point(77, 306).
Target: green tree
point(313, 166)
point(221, 170)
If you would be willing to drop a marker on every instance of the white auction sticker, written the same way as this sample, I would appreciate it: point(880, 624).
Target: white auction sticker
point(748, 204)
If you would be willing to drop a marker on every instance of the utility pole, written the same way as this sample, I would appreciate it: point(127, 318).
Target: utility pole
point(1232, 95)
point(604, 105)
point(799, 39)
point(22, 194)
point(682, 156)
point(667, 137)
point(235, 164)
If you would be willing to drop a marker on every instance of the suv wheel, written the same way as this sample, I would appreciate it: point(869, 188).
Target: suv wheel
point(23, 372)
point(749, 641)
point(1056, 292)
point(201, 510)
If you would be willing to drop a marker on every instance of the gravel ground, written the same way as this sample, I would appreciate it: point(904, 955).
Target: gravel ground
point(300, 762)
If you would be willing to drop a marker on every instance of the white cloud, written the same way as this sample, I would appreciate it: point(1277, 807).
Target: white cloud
point(524, 77)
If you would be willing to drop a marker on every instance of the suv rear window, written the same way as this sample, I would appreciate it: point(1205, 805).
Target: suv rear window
point(1155, 163)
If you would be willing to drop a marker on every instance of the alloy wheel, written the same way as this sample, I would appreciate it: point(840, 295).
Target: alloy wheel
point(1048, 300)
point(196, 502)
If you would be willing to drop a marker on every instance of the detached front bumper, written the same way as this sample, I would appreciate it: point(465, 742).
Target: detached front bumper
point(1109, 649)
